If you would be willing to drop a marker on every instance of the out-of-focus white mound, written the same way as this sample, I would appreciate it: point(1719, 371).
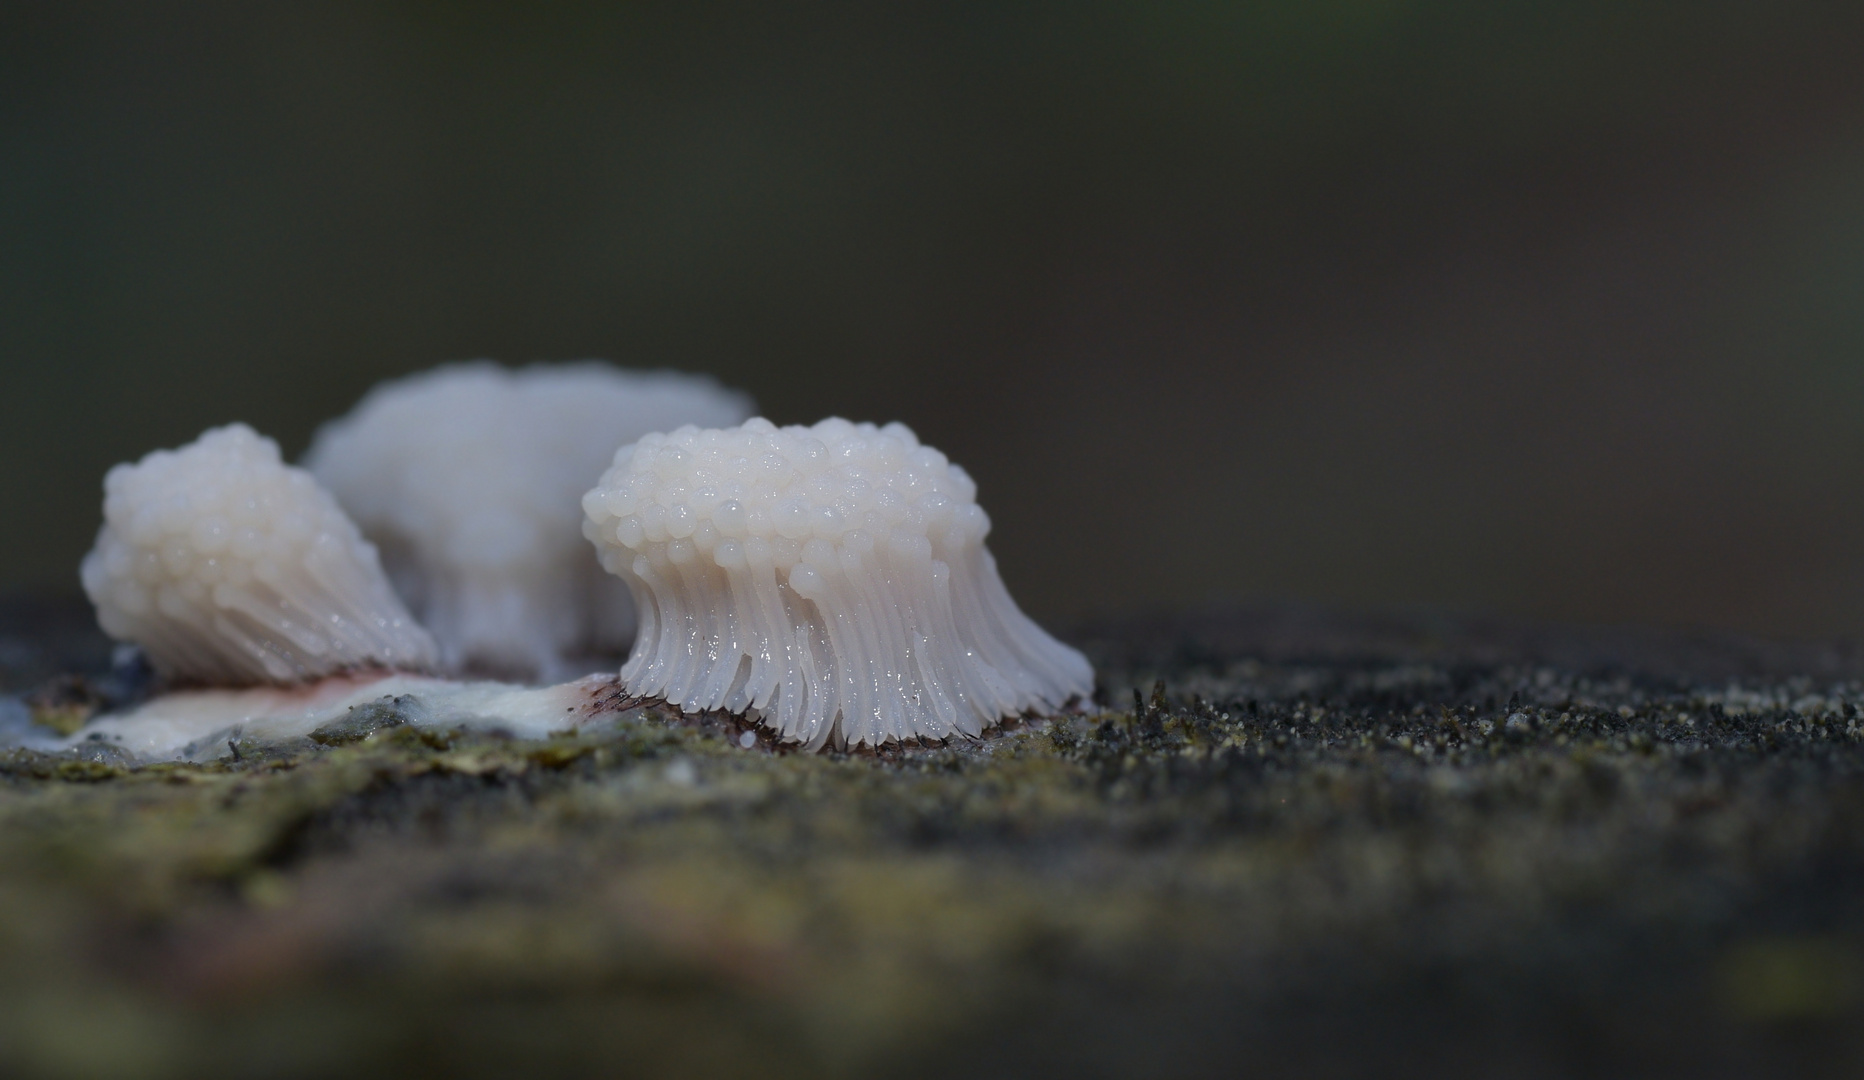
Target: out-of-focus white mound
point(228, 566)
point(469, 478)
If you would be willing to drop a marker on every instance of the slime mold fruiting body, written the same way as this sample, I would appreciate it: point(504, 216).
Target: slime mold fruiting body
point(228, 566)
point(832, 580)
point(467, 476)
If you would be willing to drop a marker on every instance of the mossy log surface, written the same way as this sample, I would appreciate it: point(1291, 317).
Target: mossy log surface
point(1320, 846)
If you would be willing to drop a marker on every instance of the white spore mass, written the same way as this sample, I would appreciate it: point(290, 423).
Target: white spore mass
point(230, 567)
point(468, 478)
point(832, 580)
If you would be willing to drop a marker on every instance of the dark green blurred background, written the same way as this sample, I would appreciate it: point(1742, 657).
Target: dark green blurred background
point(1543, 308)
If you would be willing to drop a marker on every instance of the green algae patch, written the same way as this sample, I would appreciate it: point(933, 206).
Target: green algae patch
point(64, 704)
point(1293, 858)
point(363, 721)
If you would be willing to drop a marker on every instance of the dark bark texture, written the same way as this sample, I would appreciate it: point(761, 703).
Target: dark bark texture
point(1292, 844)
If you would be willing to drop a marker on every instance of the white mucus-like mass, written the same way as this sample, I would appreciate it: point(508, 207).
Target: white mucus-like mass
point(468, 476)
point(204, 725)
point(229, 567)
point(830, 580)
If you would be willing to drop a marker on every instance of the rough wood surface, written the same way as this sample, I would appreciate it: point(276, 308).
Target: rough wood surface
point(1323, 846)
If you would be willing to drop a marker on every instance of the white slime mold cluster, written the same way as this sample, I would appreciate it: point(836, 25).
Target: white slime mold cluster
point(228, 566)
point(832, 580)
point(468, 477)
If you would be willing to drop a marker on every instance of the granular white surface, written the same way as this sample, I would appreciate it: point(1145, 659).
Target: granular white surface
point(831, 580)
point(228, 566)
point(468, 477)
